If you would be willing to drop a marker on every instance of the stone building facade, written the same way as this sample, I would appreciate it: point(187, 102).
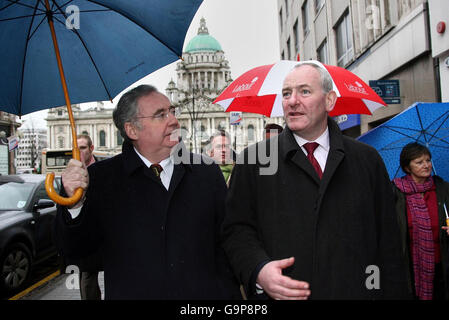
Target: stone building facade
point(201, 76)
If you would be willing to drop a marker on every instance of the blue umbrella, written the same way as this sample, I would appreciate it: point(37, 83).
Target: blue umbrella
point(92, 48)
point(105, 46)
point(425, 123)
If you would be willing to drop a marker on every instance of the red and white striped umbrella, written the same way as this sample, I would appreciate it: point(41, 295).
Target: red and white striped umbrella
point(259, 90)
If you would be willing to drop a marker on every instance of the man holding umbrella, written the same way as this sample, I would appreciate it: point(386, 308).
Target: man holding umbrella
point(323, 226)
point(154, 210)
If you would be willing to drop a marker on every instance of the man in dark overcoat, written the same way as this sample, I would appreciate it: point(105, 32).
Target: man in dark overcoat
point(154, 211)
point(313, 223)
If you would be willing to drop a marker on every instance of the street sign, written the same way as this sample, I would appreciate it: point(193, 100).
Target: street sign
point(13, 143)
point(235, 118)
point(388, 90)
point(346, 121)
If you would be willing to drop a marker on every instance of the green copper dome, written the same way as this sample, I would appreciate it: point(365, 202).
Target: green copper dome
point(203, 41)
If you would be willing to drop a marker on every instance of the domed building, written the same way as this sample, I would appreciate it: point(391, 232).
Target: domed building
point(201, 76)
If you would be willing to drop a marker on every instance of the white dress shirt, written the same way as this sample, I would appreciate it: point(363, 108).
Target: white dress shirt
point(321, 152)
point(167, 166)
point(166, 174)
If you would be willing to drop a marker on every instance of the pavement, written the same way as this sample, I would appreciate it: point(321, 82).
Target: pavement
point(62, 287)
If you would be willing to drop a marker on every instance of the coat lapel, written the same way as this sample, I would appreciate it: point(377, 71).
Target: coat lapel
point(334, 158)
point(289, 148)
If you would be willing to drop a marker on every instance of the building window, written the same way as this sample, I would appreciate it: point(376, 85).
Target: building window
point(344, 40)
point(119, 139)
point(296, 36)
point(286, 8)
point(61, 142)
point(85, 133)
point(102, 138)
point(288, 49)
point(323, 55)
point(280, 20)
point(251, 133)
point(318, 5)
point(305, 17)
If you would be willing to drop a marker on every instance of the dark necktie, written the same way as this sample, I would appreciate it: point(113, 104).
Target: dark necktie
point(157, 169)
point(310, 148)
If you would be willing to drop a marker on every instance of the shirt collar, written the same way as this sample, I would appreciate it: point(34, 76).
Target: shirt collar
point(164, 163)
point(322, 140)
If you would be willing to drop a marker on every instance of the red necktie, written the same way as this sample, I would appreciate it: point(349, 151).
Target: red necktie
point(310, 148)
point(157, 169)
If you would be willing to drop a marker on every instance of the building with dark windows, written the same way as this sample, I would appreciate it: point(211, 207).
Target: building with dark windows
point(379, 40)
point(95, 121)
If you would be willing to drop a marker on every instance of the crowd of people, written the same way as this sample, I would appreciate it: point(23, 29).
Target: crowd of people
point(170, 224)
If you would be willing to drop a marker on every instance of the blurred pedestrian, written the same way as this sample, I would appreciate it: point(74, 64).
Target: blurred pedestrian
point(154, 211)
point(90, 266)
point(420, 204)
point(271, 130)
point(322, 226)
point(220, 150)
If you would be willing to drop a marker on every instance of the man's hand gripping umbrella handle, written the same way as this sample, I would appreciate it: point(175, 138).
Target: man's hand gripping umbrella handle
point(53, 195)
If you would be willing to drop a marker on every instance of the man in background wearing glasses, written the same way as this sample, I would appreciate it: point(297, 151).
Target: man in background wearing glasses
point(155, 220)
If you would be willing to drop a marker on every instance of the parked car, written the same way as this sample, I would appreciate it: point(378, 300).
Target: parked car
point(26, 224)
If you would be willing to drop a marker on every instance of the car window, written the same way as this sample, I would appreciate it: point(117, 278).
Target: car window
point(41, 193)
point(15, 195)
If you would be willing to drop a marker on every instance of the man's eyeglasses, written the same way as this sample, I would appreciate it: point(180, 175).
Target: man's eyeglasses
point(162, 115)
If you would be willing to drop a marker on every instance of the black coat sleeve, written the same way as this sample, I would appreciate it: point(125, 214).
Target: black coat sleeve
point(79, 237)
point(240, 236)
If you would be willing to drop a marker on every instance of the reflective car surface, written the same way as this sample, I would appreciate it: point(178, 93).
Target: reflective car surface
point(26, 220)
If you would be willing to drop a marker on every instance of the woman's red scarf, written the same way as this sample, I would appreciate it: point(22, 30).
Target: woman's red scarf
point(422, 247)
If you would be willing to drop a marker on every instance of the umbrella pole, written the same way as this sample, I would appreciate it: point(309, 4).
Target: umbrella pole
point(75, 151)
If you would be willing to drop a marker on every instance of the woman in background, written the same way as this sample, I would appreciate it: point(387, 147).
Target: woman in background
point(420, 200)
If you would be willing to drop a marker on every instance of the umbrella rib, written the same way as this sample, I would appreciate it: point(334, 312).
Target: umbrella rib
point(138, 24)
point(11, 2)
point(420, 123)
point(87, 51)
point(401, 133)
point(24, 57)
point(37, 27)
point(435, 132)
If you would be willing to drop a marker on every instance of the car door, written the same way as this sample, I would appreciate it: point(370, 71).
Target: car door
point(44, 221)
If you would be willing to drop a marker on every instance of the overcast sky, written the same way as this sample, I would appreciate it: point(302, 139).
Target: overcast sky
point(246, 29)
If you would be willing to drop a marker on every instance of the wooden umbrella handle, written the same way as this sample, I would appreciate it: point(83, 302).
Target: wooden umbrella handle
point(75, 151)
point(69, 202)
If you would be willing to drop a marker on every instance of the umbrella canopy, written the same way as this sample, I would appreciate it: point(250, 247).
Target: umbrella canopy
point(92, 49)
point(259, 90)
point(105, 46)
point(425, 123)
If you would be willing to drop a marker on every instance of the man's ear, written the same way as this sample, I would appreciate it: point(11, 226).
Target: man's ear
point(131, 131)
point(331, 99)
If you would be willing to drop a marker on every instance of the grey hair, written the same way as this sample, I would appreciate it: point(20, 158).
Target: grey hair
point(325, 77)
point(127, 107)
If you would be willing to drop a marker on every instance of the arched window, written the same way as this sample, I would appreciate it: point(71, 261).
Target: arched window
point(102, 138)
point(250, 132)
point(61, 142)
point(85, 132)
